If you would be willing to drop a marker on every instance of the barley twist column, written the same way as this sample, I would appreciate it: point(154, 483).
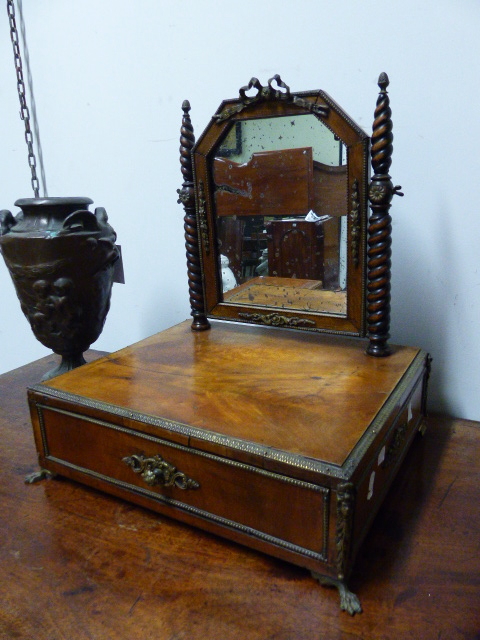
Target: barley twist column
point(187, 198)
point(380, 228)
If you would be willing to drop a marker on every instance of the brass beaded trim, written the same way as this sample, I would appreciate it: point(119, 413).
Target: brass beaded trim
point(230, 442)
point(186, 507)
point(197, 512)
point(174, 445)
point(293, 460)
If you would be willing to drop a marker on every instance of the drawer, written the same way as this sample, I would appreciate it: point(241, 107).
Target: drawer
point(385, 461)
point(286, 512)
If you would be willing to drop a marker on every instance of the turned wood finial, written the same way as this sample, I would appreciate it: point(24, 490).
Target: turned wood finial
point(187, 140)
point(383, 81)
point(382, 136)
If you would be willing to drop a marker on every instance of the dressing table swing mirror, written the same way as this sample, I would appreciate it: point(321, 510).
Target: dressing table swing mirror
point(279, 417)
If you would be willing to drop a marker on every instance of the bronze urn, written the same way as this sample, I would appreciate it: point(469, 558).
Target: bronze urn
point(61, 259)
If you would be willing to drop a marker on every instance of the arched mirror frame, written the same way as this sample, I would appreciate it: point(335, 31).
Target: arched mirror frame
point(270, 102)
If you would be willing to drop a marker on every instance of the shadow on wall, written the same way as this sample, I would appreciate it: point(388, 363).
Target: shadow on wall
point(167, 307)
point(425, 273)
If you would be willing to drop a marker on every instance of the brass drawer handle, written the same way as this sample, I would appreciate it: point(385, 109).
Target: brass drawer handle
point(157, 471)
point(395, 447)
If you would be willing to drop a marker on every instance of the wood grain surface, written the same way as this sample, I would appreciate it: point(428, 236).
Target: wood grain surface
point(259, 384)
point(270, 183)
point(78, 565)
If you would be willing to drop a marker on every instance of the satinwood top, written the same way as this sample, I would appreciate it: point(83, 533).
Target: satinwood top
point(307, 394)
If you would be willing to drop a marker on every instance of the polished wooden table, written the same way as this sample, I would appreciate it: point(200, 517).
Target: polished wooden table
point(76, 564)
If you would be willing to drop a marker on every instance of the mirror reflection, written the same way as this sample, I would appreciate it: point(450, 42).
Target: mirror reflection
point(280, 194)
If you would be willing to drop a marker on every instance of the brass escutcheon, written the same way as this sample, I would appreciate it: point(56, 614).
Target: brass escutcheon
point(157, 471)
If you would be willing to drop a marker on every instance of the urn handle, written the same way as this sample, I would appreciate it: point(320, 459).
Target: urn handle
point(157, 471)
point(7, 221)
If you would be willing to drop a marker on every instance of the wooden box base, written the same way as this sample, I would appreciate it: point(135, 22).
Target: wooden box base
point(286, 442)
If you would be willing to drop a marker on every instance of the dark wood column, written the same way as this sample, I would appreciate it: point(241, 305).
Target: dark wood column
point(187, 198)
point(379, 229)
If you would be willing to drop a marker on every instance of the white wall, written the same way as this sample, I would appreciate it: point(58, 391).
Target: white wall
point(110, 78)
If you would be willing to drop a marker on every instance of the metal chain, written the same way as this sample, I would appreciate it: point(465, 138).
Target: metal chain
point(24, 111)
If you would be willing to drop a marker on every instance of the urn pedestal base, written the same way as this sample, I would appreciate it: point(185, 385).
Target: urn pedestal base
point(67, 363)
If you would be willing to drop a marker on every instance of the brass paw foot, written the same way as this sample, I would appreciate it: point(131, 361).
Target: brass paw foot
point(348, 601)
point(43, 474)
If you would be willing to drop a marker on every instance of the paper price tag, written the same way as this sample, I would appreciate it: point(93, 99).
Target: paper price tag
point(118, 275)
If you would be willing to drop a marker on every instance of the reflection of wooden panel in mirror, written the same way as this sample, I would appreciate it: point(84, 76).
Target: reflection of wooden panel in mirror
point(330, 189)
point(295, 249)
point(271, 183)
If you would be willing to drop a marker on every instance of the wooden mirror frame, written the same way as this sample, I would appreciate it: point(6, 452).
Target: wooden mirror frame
point(368, 283)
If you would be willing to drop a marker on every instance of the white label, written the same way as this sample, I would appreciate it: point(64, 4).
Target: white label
point(370, 485)
point(410, 412)
point(381, 456)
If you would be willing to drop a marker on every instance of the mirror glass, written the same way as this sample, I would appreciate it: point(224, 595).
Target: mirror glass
point(280, 197)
